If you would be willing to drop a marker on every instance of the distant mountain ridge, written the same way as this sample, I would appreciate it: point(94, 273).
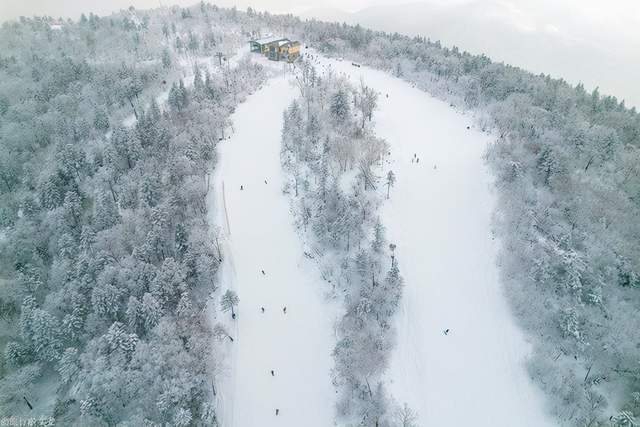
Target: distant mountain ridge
point(504, 33)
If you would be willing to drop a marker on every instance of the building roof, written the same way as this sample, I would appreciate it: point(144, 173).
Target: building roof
point(267, 40)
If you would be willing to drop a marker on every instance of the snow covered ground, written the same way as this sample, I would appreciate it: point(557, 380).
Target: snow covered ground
point(439, 216)
point(259, 235)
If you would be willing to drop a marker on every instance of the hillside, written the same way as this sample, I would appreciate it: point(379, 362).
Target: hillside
point(382, 231)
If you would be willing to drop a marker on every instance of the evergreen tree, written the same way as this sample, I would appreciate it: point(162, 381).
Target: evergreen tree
point(68, 365)
point(339, 108)
point(106, 212)
point(101, 120)
point(198, 83)
point(166, 58)
point(391, 180)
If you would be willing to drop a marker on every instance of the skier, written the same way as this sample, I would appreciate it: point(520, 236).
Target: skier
point(233, 316)
point(284, 310)
point(263, 273)
point(277, 411)
point(262, 308)
point(241, 187)
point(417, 159)
point(273, 373)
point(434, 167)
point(446, 331)
point(265, 181)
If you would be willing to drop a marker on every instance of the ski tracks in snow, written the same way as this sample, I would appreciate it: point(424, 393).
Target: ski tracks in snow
point(297, 344)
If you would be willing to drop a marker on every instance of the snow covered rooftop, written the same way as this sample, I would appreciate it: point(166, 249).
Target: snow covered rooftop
point(270, 39)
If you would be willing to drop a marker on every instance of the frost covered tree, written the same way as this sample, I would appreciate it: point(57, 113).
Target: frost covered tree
point(229, 301)
point(166, 58)
point(405, 416)
point(178, 98)
point(366, 101)
point(333, 162)
point(105, 252)
point(339, 107)
point(391, 180)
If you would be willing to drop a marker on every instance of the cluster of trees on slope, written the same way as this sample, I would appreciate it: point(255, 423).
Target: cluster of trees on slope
point(568, 175)
point(106, 257)
point(334, 161)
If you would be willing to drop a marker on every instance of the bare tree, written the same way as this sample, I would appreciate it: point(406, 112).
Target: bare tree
point(366, 101)
point(406, 417)
point(229, 301)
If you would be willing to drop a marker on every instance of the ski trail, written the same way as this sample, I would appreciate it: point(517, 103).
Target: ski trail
point(296, 345)
point(439, 215)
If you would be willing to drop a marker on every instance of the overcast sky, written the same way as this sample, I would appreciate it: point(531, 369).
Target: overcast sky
point(617, 15)
point(610, 28)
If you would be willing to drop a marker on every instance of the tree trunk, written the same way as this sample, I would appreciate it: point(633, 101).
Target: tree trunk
point(135, 113)
point(588, 372)
point(589, 163)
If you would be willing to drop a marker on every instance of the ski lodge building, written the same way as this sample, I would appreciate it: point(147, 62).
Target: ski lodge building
point(276, 48)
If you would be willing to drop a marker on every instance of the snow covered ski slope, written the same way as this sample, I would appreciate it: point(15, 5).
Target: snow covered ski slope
point(439, 216)
point(260, 236)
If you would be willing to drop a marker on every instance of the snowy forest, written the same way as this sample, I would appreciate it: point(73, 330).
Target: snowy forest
point(112, 307)
point(335, 165)
point(107, 260)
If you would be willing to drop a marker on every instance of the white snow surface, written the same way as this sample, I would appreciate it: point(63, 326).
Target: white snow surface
point(260, 235)
point(439, 215)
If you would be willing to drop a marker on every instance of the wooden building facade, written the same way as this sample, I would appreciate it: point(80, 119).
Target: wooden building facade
point(276, 49)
